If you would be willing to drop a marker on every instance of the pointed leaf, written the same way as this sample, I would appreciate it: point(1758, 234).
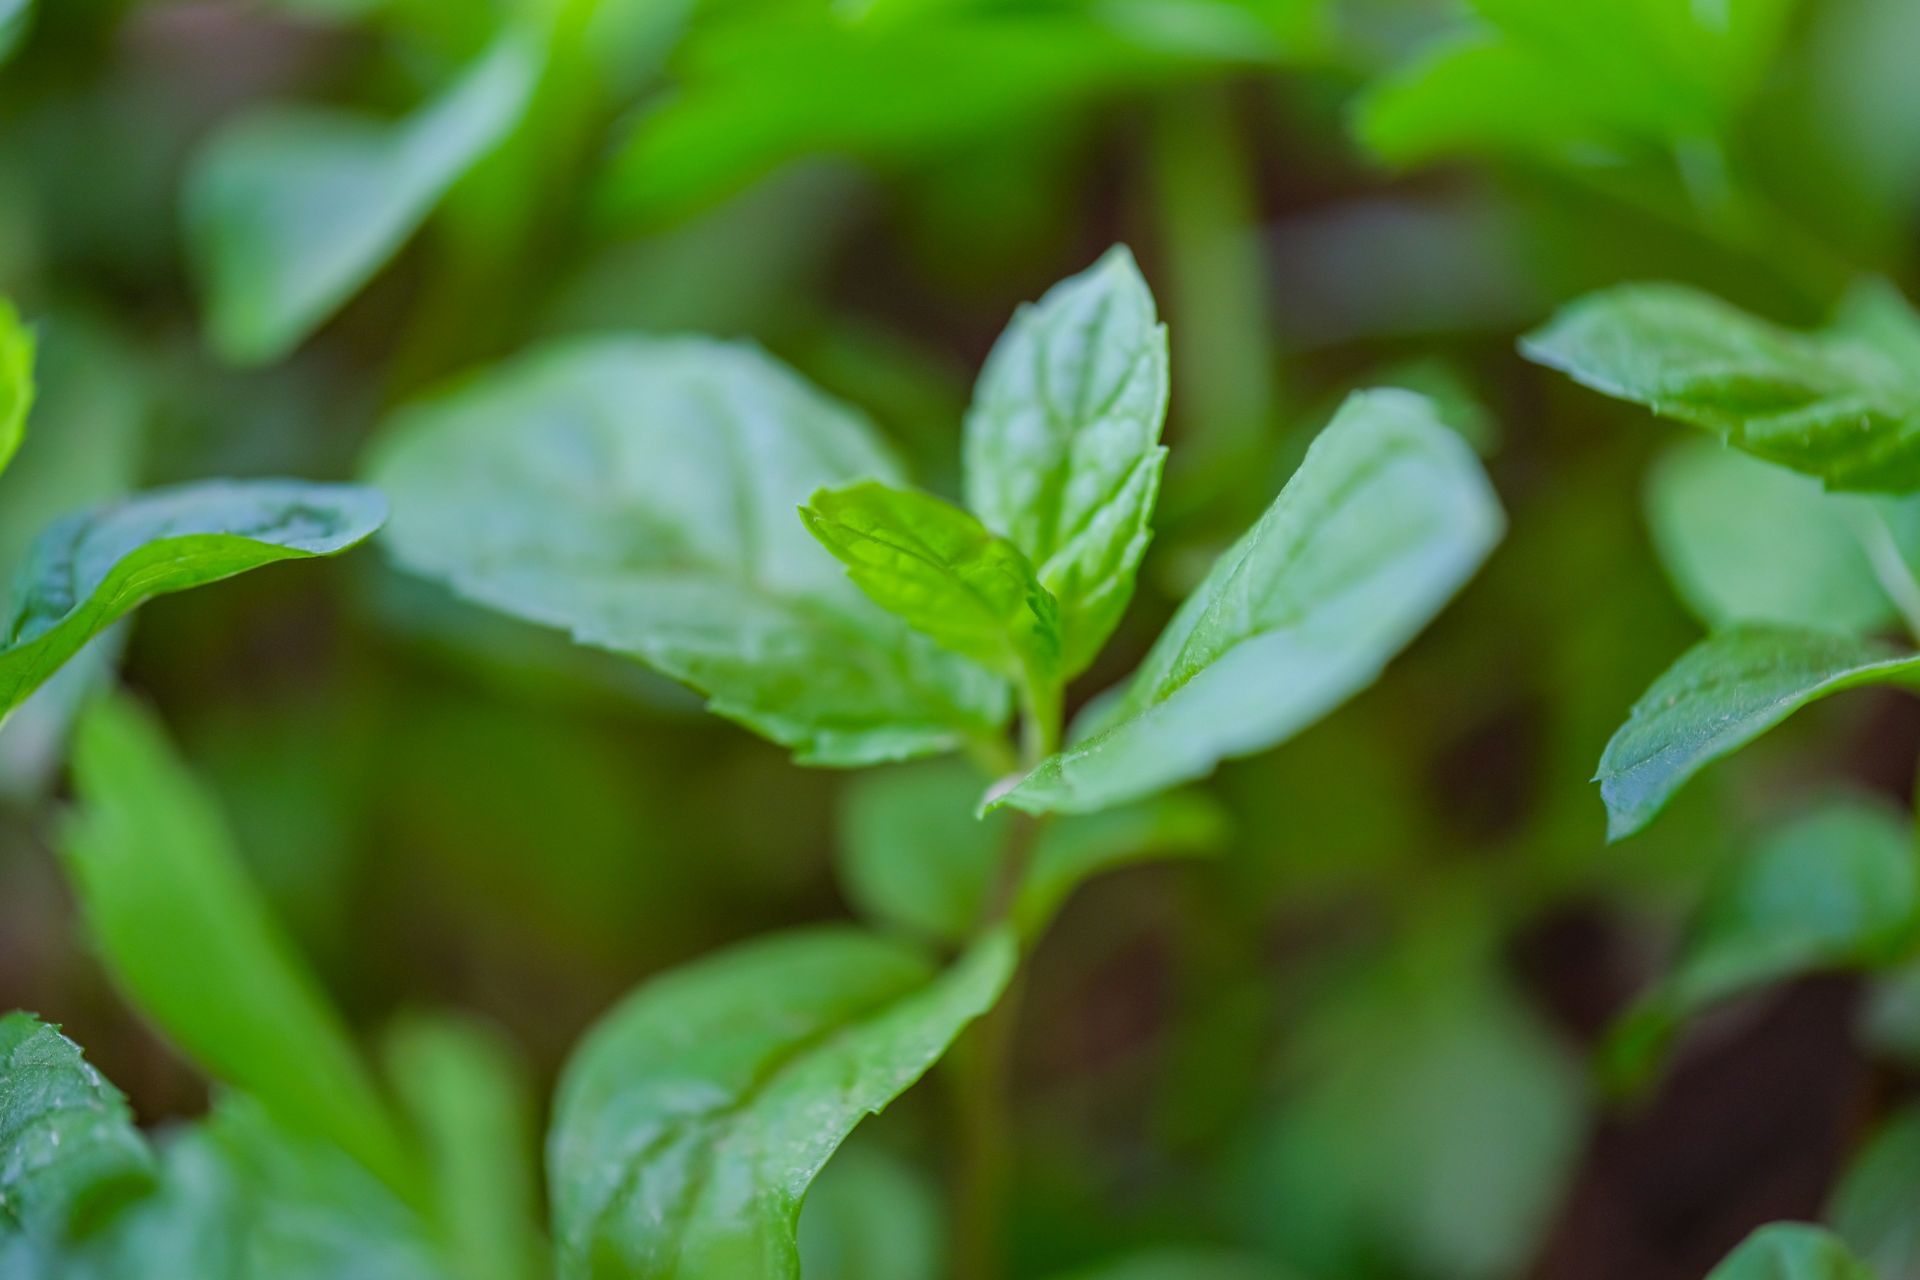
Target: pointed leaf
point(290, 211)
point(1387, 517)
point(640, 494)
point(69, 1153)
point(690, 1122)
point(1792, 1251)
point(937, 567)
point(91, 569)
point(1836, 403)
point(1722, 694)
point(1062, 442)
point(170, 907)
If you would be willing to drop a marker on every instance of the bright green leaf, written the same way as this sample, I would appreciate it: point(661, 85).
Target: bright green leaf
point(937, 567)
point(1063, 452)
point(69, 1154)
point(168, 903)
point(690, 1122)
point(640, 494)
point(1837, 403)
point(92, 568)
point(16, 381)
point(1792, 1251)
point(1386, 518)
point(1836, 888)
point(1746, 541)
point(1872, 1208)
point(1722, 694)
point(913, 857)
point(469, 1099)
point(290, 211)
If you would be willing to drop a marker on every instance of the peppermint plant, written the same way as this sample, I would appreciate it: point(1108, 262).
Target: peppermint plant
point(695, 506)
point(1796, 539)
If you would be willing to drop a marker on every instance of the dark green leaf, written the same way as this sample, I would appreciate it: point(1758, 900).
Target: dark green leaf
point(1836, 888)
point(168, 902)
point(1722, 694)
point(69, 1154)
point(290, 211)
point(1062, 442)
point(91, 569)
point(690, 1122)
point(1792, 1251)
point(937, 567)
point(913, 857)
point(640, 494)
point(1872, 1208)
point(1388, 515)
point(1836, 403)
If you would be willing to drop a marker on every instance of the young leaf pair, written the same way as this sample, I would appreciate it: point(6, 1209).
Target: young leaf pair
point(685, 1132)
point(640, 493)
point(1842, 405)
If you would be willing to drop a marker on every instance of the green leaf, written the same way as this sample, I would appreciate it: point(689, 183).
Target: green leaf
point(1836, 888)
point(1386, 518)
point(468, 1097)
point(935, 566)
point(91, 569)
point(1837, 403)
point(690, 1122)
point(1062, 442)
point(168, 903)
point(640, 494)
point(1597, 77)
point(69, 1154)
point(1430, 1125)
point(1872, 1208)
point(1722, 694)
point(289, 211)
point(1792, 1251)
point(871, 1216)
point(1182, 1264)
point(16, 380)
point(912, 856)
point(1746, 541)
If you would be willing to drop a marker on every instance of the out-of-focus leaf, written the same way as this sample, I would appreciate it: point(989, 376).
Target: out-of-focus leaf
point(1063, 451)
point(289, 211)
point(913, 857)
point(1746, 541)
point(1792, 1251)
point(1837, 403)
point(69, 1154)
point(1872, 1208)
point(1433, 1118)
point(641, 494)
point(1567, 79)
point(468, 1096)
point(16, 363)
point(688, 1125)
point(1388, 515)
point(871, 1216)
point(91, 569)
point(1722, 694)
point(1837, 888)
point(168, 902)
point(935, 566)
point(1182, 1264)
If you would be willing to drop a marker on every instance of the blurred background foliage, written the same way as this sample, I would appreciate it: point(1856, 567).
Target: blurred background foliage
point(1354, 1041)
